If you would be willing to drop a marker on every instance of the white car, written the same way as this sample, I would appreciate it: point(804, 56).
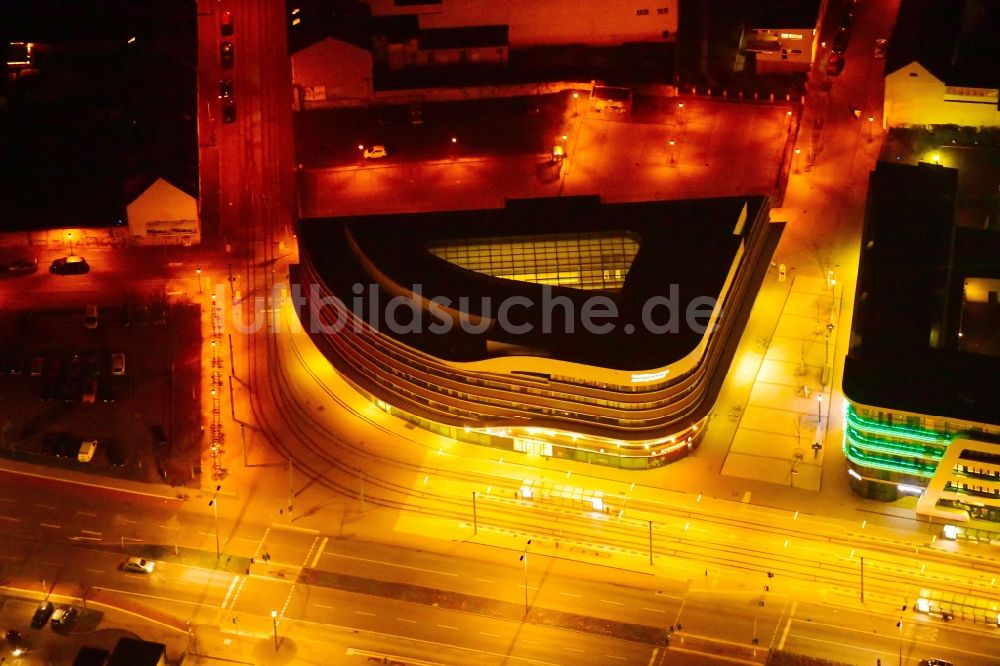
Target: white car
point(139, 565)
point(375, 152)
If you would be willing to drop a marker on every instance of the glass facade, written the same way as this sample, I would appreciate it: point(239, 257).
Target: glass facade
point(592, 261)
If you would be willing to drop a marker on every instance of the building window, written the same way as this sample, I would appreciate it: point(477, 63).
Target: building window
point(662, 10)
point(642, 12)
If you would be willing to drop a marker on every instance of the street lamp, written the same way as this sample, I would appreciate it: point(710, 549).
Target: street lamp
point(871, 121)
point(819, 407)
point(680, 113)
point(797, 151)
point(69, 237)
point(274, 623)
point(524, 558)
point(673, 154)
point(198, 271)
point(576, 98)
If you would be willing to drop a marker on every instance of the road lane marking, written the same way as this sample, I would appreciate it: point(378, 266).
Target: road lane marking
point(652, 657)
point(572, 649)
point(46, 506)
point(126, 520)
point(10, 557)
point(445, 626)
point(392, 564)
point(357, 612)
point(55, 527)
point(324, 606)
point(616, 603)
point(95, 570)
point(86, 513)
point(485, 580)
point(403, 619)
point(486, 633)
point(788, 625)
point(570, 594)
point(716, 657)
point(319, 553)
point(654, 610)
point(614, 656)
point(91, 532)
point(229, 592)
point(525, 640)
point(13, 520)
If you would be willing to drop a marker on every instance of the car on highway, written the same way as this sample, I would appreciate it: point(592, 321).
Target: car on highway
point(71, 265)
point(19, 267)
point(138, 565)
point(63, 617)
point(226, 56)
point(375, 152)
point(226, 24)
point(880, 45)
point(90, 317)
point(835, 65)
point(229, 110)
point(118, 363)
point(225, 88)
point(15, 642)
point(42, 614)
point(840, 42)
point(90, 392)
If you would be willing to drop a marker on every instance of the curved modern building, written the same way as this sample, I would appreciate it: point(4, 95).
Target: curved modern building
point(560, 327)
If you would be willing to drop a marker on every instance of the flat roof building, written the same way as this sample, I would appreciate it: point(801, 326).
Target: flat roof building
point(922, 375)
point(564, 327)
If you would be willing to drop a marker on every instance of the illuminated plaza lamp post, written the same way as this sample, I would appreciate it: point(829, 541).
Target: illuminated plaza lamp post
point(673, 152)
point(69, 237)
point(576, 104)
point(524, 558)
point(797, 152)
point(871, 121)
point(274, 623)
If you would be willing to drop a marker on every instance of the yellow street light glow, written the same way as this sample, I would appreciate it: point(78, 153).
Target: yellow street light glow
point(936, 158)
point(454, 140)
point(131, 40)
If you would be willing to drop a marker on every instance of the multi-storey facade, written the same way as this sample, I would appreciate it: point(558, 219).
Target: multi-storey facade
point(496, 343)
point(922, 376)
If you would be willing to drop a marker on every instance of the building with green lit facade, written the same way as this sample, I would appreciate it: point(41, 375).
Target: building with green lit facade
point(922, 374)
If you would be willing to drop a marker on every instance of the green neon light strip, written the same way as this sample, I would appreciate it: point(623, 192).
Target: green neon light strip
point(892, 447)
point(899, 431)
point(874, 462)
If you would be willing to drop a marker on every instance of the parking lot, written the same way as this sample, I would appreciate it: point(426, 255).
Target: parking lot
point(124, 376)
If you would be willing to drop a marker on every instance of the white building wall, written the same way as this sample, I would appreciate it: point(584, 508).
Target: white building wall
point(551, 22)
point(791, 40)
point(914, 96)
point(332, 69)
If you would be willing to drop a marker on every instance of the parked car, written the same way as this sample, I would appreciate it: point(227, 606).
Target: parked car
point(159, 436)
point(86, 451)
point(375, 152)
point(880, 45)
point(61, 444)
point(416, 116)
point(90, 391)
point(93, 366)
point(114, 454)
point(90, 317)
point(37, 366)
point(225, 88)
point(934, 662)
point(74, 367)
point(226, 54)
point(229, 110)
point(63, 617)
point(72, 265)
point(19, 267)
point(42, 614)
point(118, 363)
point(105, 391)
point(835, 65)
point(226, 24)
point(138, 565)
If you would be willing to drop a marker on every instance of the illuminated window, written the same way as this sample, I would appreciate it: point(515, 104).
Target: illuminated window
point(662, 10)
point(642, 12)
point(595, 261)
